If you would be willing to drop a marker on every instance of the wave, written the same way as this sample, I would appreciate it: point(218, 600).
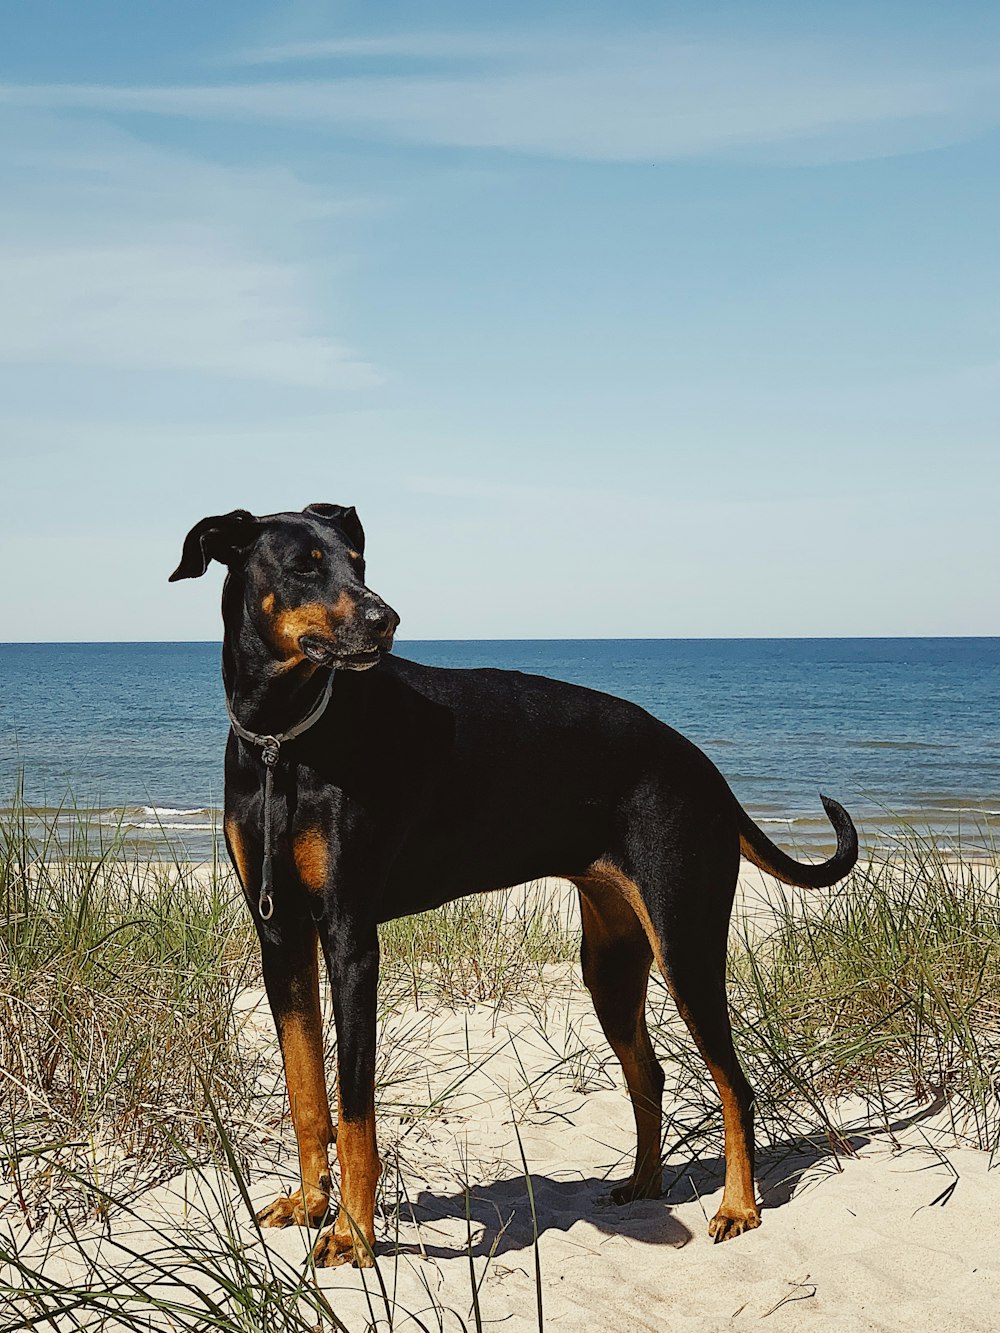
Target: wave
point(900, 745)
point(962, 810)
point(160, 824)
point(157, 817)
point(157, 810)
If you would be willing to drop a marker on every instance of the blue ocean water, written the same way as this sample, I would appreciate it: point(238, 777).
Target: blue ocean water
point(897, 729)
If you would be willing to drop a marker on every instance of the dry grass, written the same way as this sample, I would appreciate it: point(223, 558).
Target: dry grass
point(124, 1059)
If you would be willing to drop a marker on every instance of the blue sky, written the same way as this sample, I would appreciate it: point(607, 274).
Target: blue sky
point(612, 320)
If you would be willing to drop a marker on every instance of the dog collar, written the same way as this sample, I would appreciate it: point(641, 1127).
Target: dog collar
point(270, 752)
point(270, 746)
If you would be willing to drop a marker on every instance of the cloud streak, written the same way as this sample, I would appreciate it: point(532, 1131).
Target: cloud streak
point(166, 305)
point(405, 46)
point(641, 100)
point(119, 255)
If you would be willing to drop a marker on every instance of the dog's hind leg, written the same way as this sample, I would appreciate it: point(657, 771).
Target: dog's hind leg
point(684, 916)
point(616, 958)
point(691, 952)
point(700, 994)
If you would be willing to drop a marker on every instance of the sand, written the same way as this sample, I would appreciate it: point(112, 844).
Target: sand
point(901, 1235)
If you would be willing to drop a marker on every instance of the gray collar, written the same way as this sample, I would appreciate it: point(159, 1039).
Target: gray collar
point(271, 745)
point(270, 748)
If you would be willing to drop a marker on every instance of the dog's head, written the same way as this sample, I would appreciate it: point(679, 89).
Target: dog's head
point(299, 581)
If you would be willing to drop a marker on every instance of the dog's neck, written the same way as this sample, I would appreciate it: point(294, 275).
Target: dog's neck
point(268, 696)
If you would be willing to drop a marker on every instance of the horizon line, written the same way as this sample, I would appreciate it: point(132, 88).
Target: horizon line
point(575, 638)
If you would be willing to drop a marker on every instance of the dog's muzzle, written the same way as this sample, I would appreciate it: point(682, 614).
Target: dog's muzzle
point(369, 636)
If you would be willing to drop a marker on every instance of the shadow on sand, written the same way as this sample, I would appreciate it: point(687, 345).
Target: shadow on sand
point(501, 1215)
point(501, 1220)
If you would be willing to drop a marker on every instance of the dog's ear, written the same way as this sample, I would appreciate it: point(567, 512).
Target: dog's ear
point(222, 537)
point(346, 518)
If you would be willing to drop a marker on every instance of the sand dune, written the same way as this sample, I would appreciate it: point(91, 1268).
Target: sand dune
point(900, 1234)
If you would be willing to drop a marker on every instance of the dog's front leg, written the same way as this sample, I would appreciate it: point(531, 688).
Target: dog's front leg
point(353, 960)
point(290, 963)
point(291, 977)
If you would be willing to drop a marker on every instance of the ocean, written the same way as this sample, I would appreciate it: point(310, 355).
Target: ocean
point(904, 732)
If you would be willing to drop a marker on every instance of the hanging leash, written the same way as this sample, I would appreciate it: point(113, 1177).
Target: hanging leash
point(270, 752)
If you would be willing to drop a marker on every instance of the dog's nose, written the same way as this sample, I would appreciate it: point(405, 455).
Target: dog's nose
point(380, 619)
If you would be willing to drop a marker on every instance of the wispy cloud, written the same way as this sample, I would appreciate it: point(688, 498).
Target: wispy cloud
point(404, 46)
point(167, 304)
point(121, 255)
point(648, 98)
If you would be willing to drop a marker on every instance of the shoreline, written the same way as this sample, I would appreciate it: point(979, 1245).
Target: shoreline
point(194, 834)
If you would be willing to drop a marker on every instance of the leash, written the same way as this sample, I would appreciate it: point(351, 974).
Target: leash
point(270, 748)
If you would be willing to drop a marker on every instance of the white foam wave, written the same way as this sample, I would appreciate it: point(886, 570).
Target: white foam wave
point(128, 819)
point(166, 811)
point(135, 815)
point(161, 824)
point(155, 811)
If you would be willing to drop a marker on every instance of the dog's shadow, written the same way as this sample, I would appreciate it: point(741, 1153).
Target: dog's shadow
point(501, 1220)
point(784, 1163)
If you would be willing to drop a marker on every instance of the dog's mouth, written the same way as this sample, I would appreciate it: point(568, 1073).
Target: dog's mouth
point(328, 654)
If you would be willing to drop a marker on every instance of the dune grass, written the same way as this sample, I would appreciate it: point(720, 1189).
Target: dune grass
point(117, 989)
point(887, 988)
point(124, 1058)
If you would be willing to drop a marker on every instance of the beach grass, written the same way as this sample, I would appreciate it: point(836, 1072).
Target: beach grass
point(126, 1057)
point(887, 987)
point(118, 981)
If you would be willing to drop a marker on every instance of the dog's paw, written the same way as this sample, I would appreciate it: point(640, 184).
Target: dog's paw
point(333, 1249)
point(629, 1190)
point(730, 1222)
point(291, 1210)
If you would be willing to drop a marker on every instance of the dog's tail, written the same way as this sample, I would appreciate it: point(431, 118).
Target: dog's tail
point(757, 847)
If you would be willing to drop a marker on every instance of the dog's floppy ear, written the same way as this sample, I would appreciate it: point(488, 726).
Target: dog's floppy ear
point(346, 518)
point(223, 537)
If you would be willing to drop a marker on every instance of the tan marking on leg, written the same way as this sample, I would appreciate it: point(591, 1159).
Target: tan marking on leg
point(301, 1037)
point(352, 1239)
point(738, 1211)
point(267, 603)
point(312, 858)
point(604, 875)
point(235, 839)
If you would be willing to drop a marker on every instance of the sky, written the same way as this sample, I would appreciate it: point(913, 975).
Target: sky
point(613, 320)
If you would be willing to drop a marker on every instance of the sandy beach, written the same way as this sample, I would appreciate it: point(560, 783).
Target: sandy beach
point(892, 1229)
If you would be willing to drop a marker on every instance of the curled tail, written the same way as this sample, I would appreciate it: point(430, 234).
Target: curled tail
point(758, 848)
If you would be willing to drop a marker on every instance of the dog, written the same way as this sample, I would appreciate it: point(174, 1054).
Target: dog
point(361, 787)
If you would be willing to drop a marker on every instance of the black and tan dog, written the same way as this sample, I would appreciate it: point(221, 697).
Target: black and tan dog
point(361, 787)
